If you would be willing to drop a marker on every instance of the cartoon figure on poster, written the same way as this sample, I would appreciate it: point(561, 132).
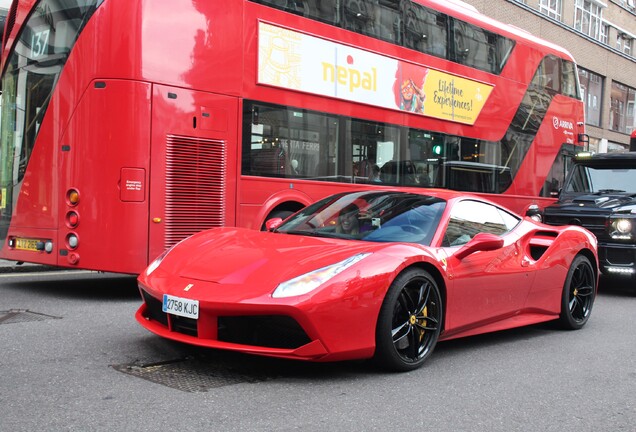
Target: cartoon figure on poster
point(409, 87)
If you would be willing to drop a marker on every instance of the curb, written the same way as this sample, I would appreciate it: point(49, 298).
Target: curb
point(14, 267)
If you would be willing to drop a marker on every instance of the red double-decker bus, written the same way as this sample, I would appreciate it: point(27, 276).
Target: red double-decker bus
point(129, 124)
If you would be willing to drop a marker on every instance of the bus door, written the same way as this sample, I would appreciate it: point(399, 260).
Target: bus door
point(194, 164)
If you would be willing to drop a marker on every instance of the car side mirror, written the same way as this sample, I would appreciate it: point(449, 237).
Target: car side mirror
point(481, 242)
point(534, 212)
point(273, 223)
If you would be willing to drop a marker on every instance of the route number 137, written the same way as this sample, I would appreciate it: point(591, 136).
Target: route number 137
point(39, 43)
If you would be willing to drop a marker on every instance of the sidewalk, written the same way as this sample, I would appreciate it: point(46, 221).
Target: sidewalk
point(14, 267)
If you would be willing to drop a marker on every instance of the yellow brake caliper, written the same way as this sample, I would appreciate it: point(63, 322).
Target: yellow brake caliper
point(422, 322)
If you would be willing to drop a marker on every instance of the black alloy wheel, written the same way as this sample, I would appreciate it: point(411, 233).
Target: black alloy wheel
point(579, 292)
point(410, 321)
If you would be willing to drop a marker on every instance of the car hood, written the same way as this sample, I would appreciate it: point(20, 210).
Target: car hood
point(615, 202)
point(236, 256)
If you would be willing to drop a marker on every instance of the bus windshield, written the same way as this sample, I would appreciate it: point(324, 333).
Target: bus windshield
point(32, 70)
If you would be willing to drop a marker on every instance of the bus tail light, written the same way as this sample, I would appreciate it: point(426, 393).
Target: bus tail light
point(72, 197)
point(72, 241)
point(72, 219)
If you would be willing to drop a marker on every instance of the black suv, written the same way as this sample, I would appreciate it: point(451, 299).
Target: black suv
point(600, 194)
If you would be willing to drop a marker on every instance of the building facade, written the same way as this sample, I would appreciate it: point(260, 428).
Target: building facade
point(601, 35)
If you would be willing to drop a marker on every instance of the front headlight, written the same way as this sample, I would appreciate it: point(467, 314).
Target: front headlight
point(310, 281)
point(621, 229)
point(153, 265)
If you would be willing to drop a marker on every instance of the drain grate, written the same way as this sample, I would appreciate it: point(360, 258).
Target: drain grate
point(23, 315)
point(191, 374)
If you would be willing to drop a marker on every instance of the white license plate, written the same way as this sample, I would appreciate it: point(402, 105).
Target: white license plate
point(181, 306)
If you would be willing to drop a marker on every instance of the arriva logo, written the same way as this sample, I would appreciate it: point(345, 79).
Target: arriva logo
point(562, 123)
point(350, 77)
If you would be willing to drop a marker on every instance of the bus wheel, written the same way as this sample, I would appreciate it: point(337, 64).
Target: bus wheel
point(283, 214)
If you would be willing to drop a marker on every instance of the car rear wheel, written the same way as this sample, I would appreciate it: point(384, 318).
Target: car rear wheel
point(579, 291)
point(410, 321)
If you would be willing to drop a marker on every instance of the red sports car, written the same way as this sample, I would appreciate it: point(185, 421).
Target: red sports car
point(370, 274)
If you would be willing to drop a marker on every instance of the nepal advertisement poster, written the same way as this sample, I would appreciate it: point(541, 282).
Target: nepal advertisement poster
point(297, 61)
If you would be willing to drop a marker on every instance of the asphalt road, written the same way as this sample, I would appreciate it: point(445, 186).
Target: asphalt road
point(72, 358)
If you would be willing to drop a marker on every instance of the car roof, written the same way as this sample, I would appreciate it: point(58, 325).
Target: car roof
point(614, 158)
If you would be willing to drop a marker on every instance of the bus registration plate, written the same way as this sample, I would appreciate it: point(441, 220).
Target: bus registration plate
point(181, 306)
point(26, 244)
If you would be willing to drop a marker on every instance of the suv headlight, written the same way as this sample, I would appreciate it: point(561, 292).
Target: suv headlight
point(621, 229)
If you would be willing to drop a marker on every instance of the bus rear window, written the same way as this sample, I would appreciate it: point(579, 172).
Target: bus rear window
point(32, 71)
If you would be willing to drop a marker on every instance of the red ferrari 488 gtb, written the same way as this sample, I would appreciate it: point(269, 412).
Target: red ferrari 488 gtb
point(381, 274)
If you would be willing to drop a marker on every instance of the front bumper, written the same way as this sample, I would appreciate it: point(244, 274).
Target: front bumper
point(283, 331)
point(617, 260)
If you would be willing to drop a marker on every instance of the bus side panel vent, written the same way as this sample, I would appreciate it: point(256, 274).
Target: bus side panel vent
point(195, 186)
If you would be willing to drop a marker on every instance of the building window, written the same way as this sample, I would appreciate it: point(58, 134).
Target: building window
point(627, 46)
point(592, 89)
point(551, 8)
point(628, 4)
point(605, 30)
point(588, 18)
point(622, 102)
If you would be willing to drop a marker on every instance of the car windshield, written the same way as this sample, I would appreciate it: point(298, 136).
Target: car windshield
point(384, 216)
point(587, 179)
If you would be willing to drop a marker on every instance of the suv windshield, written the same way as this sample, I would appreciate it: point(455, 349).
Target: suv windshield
point(587, 179)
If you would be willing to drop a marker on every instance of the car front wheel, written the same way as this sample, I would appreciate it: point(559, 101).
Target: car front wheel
point(410, 321)
point(578, 295)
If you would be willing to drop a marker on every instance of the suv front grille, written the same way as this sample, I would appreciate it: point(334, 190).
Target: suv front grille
point(595, 224)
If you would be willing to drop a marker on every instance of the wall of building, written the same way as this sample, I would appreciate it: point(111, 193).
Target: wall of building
point(595, 56)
